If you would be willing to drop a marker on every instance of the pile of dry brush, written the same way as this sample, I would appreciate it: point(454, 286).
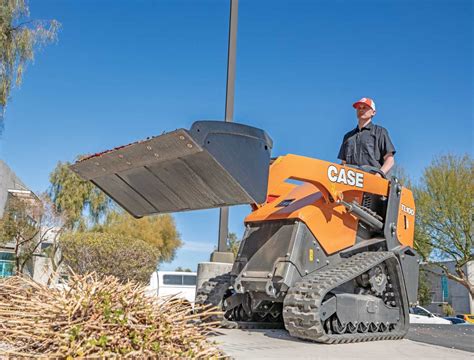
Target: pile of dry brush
point(98, 317)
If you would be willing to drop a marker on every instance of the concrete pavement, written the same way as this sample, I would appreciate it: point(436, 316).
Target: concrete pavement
point(277, 344)
point(459, 337)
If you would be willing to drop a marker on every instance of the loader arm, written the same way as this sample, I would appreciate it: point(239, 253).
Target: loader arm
point(331, 179)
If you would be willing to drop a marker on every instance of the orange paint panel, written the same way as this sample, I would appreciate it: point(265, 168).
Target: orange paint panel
point(315, 202)
point(318, 172)
point(406, 218)
point(330, 223)
point(281, 188)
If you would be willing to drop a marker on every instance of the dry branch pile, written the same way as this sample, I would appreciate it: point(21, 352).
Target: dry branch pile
point(98, 317)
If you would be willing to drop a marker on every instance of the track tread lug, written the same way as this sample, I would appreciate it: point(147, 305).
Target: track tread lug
point(307, 295)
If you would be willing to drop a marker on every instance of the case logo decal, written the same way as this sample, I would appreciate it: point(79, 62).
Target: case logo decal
point(346, 177)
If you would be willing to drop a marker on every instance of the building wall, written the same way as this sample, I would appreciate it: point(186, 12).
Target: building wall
point(457, 295)
point(8, 181)
point(43, 269)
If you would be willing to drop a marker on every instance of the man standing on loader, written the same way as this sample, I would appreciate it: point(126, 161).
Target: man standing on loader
point(368, 144)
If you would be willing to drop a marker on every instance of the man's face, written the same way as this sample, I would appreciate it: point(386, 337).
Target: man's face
point(364, 112)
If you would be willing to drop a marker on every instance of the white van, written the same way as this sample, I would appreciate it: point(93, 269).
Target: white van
point(179, 283)
point(419, 315)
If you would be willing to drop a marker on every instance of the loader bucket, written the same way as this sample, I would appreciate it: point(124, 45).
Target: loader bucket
point(214, 164)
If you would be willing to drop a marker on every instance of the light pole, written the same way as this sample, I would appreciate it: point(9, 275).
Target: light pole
point(229, 113)
point(222, 260)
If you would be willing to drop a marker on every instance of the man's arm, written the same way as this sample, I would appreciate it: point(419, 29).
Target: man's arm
point(342, 151)
point(388, 151)
point(388, 162)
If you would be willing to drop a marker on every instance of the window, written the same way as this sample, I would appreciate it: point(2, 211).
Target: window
point(420, 311)
point(7, 264)
point(172, 280)
point(189, 280)
point(444, 287)
point(186, 280)
point(32, 222)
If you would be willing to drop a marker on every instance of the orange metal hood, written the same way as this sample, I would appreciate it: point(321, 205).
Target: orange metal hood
point(330, 223)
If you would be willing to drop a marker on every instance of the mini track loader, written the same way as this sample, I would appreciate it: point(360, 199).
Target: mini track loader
point(328, 249)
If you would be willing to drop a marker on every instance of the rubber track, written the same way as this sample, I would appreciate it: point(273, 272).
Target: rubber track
point(212, 292)
point(303, 301)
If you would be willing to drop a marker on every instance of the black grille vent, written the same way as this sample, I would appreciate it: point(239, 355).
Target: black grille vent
point(367, 201)
point(266, 242)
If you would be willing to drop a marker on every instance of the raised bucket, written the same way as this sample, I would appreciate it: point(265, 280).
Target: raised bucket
point(213, 164)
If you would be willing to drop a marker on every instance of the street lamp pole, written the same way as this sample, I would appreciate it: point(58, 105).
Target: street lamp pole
point(229, 111)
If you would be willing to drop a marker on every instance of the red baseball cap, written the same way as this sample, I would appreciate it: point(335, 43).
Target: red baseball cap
point(367, 101)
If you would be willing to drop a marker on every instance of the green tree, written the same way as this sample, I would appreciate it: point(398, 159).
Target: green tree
point(127, 258)
point(79, 201)
point(88, 210)
point(444, 203)
point(159, 231)
point(19, 227)
point(179, 268)
point(19, 38)
point(233, 243)
point(28, 222)
point(448, 310)
point(424, 290)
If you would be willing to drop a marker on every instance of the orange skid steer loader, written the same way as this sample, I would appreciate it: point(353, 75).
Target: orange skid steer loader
point(327, 251)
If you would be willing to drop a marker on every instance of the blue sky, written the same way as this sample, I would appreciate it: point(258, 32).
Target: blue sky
point(122, 71)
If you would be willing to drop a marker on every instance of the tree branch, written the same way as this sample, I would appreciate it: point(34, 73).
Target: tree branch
point(462, 279)
point(448, 251)
point(25, 240)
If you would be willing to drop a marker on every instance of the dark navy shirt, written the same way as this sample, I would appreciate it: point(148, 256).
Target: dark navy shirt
point(366, 146)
